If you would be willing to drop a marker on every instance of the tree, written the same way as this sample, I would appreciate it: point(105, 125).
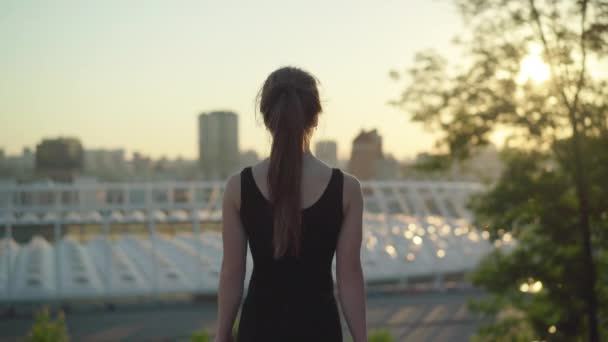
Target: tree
point(535, 196)
point(530, 71)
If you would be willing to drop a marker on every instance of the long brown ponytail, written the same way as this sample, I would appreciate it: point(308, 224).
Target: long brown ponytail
point(290, 105)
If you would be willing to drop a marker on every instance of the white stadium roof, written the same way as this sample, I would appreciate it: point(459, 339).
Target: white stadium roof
point(411, 230)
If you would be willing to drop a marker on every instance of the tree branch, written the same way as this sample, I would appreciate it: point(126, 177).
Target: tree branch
point(581, 77)
point(556, 33)
point(560, 89)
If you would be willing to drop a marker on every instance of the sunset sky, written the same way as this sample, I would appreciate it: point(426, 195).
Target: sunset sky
point(135, 74)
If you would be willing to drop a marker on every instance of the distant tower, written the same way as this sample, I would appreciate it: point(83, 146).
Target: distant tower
point(218, 143)
point(365, 155)
point(105, 163)
point(327, 151)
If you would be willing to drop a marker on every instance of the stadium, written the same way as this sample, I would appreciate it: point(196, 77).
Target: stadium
point(86, 241)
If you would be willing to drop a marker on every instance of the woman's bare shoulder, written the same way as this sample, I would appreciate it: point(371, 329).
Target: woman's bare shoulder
point(232, 189)
point(351, 190)
point(351, 182)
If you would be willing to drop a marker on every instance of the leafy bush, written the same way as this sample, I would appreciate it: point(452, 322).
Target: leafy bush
point(380, 335)
point(45, 329)
point(200, 336)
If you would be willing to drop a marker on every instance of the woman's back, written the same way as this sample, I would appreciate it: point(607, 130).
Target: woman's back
point(291, 298)
point(295, 213)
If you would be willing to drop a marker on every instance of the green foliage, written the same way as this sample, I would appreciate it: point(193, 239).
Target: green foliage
point(45, 329)
point(556, 157)
point(535, 202)
point(467, 103)
point(200, 336)
point(505, 330)
point(380, 335)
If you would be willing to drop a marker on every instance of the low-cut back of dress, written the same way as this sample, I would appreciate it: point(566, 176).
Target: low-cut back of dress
point(291, 298)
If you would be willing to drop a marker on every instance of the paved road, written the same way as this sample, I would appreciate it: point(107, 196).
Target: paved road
point(409, 317)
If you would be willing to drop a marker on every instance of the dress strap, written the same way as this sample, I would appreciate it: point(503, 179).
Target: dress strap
point(246, 178)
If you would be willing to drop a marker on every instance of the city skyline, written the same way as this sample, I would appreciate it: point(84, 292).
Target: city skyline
point(129, 153)
point(98, 71)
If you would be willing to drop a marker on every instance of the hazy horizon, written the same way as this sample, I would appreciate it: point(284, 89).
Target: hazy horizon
point(136, 75)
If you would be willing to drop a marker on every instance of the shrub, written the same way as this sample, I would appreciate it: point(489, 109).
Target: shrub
point(380, 335)
point(200, 336)
point(45, 329)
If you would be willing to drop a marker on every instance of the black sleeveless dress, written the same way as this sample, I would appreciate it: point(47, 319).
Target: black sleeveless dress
point(291, 298)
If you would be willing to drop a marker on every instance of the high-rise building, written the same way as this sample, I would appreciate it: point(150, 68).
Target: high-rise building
point(327, 151)
point(109, 164)
point(60, 159)
point(366, 153)
point(388, 168)
point(17, 166)
point(218, 143)
point(142, 165)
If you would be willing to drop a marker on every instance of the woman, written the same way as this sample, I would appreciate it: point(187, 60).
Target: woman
point(295, 212)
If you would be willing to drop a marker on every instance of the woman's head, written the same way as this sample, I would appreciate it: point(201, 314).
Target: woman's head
point(290, 106)
point(289, 100)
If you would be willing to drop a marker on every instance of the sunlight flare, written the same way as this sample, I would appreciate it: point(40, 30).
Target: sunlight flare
point(533, 67)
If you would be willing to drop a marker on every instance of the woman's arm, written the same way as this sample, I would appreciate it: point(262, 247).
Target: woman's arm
point(351, 289)
point(232, 274)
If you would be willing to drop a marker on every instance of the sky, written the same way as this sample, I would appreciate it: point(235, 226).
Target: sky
point(136, 74)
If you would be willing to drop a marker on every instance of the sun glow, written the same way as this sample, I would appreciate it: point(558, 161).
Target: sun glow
point(532, 67)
